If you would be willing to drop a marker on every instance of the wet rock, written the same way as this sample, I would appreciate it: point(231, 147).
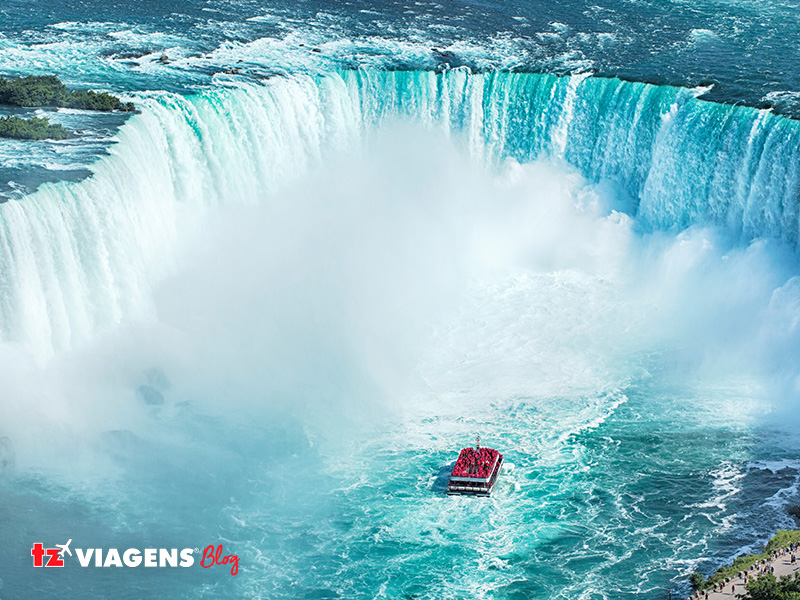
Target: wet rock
point(443, 53)
point(149, 395)
point(119, 440)
point(7, 456)
point(120, 444)
point(157, 379)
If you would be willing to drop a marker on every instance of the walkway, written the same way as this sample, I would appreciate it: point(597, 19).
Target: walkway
point(782, 564)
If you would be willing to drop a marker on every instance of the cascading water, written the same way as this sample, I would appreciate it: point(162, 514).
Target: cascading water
point(78, 257)
point(335, 280)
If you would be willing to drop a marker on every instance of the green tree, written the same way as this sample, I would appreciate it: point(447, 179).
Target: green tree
point(47, 90)
point(767, 587)
point(697, 581)
point(34, 128)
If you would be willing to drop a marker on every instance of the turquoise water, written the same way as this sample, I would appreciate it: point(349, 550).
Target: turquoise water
point(337, 277)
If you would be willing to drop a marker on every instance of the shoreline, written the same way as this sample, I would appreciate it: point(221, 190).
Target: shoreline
point(781, 557)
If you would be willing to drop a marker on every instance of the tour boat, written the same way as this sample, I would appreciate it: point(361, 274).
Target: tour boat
point(475, 471)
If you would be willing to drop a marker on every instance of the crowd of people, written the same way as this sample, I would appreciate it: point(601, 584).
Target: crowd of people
point(475, 462)
point(762, 567)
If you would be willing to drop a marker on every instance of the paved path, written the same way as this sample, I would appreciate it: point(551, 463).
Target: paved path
point(782, 565)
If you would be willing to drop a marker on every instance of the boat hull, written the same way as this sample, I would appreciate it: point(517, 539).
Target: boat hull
point(463, 486)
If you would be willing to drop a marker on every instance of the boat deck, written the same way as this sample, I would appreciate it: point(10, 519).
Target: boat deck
point(475, 472)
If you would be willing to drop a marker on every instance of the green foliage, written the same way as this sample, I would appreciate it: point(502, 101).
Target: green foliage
point(781, 540)
point(94, 101)
point(766, 587)
point(47, 90)
point(34, 128)
point(697, 581)
point(741, 563)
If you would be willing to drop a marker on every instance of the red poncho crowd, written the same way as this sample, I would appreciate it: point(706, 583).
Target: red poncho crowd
point(475, 463)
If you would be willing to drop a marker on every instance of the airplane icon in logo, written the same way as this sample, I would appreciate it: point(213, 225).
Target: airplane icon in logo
point(65, 548)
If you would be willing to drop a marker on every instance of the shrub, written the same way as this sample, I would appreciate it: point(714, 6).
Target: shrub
point(34, 128)
point(697, 581)
point(47, 90)
point(767, 587)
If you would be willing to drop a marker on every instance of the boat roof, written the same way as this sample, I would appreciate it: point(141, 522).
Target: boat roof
point(475, 464)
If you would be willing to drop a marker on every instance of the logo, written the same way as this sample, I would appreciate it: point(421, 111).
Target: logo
point(55, 557)
point(133, 557)
point(214, 557)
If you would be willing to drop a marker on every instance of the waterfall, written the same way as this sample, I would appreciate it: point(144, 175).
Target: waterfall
point(79, 257)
